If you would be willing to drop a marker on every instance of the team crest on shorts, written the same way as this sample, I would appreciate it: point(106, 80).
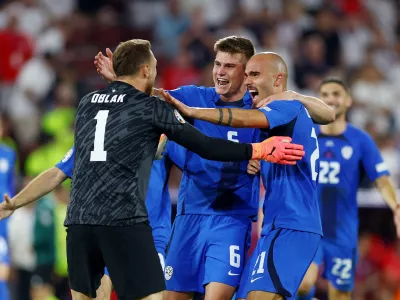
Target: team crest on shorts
point(347, 152)
point(168, 272)
point(179, 117)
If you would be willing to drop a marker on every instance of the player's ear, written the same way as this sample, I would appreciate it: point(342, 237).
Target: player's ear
point(145, 70)
point(279, 79)
point(348, 101)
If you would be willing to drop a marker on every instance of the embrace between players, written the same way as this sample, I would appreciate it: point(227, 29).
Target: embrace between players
point(206, 251)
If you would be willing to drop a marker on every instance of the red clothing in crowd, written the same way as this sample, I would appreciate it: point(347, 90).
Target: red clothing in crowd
point(16, 48)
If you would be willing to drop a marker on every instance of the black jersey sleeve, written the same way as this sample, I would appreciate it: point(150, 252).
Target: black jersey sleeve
point(169, 121)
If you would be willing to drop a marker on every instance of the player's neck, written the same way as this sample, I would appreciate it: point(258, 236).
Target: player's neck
point(135, 82)
point(335, 128)
point(234, 97)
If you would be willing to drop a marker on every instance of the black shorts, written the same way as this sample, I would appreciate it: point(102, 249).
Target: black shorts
point(127, 251)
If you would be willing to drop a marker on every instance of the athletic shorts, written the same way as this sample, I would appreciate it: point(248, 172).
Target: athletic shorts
point(128, 252)
point(204, 249)
point(339, 264)
point(160, 256)
point(279, 263)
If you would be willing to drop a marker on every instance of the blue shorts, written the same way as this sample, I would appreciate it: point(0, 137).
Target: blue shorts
point(161, 256)
point(339, 264)
point(279, 262)
point(204, 249)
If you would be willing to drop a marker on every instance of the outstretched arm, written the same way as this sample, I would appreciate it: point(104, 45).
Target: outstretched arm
point(275, 149)
point(319, 111)
point(38, 187)
point(388, 192)
point(233, 117)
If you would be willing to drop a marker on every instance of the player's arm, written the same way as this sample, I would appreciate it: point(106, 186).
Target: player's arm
point(320, 112)
point(38, 187)
point(387, 191)
point(233, 117)
point(277, 113)
point(275, 149)
point(378, 172)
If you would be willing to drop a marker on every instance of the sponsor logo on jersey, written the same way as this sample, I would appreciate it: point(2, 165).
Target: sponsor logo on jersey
point(179, 117)
point(329, 143)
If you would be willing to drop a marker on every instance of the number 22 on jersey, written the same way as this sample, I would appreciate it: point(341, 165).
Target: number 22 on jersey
point(98, 153)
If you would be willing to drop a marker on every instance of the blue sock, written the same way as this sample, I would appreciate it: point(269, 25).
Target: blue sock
point(4, 291)
point(309, 296)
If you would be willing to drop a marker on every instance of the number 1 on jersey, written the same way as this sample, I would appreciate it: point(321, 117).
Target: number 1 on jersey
point(98, 153)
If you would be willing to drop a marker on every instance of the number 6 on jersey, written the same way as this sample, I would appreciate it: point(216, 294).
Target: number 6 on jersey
point(98, 153)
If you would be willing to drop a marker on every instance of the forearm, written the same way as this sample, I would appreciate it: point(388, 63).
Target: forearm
point(388, 191)
point(319, 111)
point(233, 117)
point(38, 187)
point(211, 148)
point(4, 272)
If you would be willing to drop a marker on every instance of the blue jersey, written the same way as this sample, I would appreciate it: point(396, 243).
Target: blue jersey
point(212, 187)
point(343, 161)
point(7, 170)
point(291, 200)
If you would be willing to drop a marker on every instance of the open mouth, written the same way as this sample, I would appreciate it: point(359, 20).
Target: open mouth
point(222, 82)
point(253, 93)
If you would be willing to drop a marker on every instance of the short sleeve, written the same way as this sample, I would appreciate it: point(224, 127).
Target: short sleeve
point(67, 163)
point(281, 112)
point(185, 94)
point(372, 159)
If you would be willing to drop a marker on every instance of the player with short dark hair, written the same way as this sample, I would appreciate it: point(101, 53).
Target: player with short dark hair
point(346, 153)
point(214, 192)
point(292, 227)
point(117, 132)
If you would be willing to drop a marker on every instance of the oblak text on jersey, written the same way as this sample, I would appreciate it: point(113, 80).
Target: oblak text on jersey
point(104, 98)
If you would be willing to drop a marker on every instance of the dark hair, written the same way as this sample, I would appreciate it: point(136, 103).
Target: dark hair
point(234, 45)
point(334, 80)
point(130, 56)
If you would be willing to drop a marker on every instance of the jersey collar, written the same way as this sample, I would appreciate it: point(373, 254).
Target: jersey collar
point(245, 102)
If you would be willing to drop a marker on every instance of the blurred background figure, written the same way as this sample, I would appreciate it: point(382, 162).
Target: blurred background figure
point(46, 66)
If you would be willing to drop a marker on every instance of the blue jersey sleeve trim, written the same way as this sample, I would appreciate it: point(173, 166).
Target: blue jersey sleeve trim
point(66, 165)
point(281, 112)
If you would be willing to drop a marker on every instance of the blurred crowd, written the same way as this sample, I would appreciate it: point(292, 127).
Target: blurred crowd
point(47, 48)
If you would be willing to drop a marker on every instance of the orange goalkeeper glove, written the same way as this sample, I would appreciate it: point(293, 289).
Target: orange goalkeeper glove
point(278, 150)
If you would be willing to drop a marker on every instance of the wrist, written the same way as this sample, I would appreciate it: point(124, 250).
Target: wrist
point(256, 151)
